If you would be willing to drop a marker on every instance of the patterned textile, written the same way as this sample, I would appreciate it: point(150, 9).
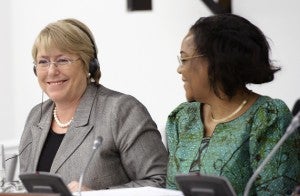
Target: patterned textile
point(236, 148)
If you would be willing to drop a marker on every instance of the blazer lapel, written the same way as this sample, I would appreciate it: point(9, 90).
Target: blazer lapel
point(72, 140)
point(78, 130)
point(39, 135)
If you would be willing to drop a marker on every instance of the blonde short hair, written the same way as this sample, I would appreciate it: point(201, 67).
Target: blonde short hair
point(72, 36)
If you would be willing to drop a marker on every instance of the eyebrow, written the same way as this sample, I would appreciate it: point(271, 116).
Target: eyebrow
point(182, 52)
point(57, 56)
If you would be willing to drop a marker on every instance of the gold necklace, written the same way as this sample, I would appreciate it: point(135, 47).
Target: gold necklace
point(230, 115)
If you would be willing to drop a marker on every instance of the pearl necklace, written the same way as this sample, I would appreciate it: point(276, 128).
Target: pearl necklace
point(230, 115)
point(60, 124)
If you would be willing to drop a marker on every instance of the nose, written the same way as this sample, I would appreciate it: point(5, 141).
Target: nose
point(52, 69)
point(179, 68)
point(52, 63)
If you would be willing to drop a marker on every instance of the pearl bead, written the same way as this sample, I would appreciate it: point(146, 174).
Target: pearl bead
point(60, 124)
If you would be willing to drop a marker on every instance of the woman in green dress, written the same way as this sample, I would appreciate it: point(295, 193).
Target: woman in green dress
point(224, 128)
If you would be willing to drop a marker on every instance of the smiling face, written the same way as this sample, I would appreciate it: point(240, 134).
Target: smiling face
point(62, 84)
point(194, 71)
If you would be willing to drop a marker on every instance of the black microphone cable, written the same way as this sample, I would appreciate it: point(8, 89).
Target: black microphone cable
point(17, 155)
point(12, 170)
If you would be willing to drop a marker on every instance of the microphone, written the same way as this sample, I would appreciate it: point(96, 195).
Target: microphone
point(2, 165)
point(291, 128)
point(7, 170)
point(11, 169)
point(8, 165)
point(97, 144)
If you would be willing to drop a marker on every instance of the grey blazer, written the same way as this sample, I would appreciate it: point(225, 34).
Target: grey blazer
point(132, 153)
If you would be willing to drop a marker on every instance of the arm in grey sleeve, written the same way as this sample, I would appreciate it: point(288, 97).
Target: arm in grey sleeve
point(143, 155)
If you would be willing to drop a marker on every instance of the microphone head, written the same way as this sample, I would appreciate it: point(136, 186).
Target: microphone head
point(298, 115)
point(294, 124)
point(297, 118)
point(97, 142)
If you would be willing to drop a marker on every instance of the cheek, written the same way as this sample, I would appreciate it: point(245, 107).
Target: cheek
point(199, 85)
point(80, 78)
point(81, 73)
point(41, 80)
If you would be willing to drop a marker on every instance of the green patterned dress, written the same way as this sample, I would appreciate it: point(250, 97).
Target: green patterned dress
point(236, 148)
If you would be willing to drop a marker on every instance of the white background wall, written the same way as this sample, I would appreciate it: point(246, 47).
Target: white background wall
point(137, 50)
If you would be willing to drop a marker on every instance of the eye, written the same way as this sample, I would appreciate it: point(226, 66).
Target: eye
point(183, 60)
point(43, 62)
point(62, 61)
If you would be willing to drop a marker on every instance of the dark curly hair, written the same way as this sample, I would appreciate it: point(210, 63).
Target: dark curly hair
point(237, 52)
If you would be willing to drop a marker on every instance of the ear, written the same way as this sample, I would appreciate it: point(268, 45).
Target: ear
point(93, 66)
point(34, 70)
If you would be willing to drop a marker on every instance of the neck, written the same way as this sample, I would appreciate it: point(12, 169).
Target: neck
point(66, 110)
point(222, 110)
point(63, 114)
point(61, 124)
point(235, 112)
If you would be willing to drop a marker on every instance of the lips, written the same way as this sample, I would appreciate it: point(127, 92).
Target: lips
point(60, 82)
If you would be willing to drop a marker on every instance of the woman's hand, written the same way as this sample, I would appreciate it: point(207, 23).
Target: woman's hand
point(74, 187)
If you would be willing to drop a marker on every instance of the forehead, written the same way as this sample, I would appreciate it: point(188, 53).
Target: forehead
point(50, 38)
point(188, 44)
point(48, 47)
point(43, 49)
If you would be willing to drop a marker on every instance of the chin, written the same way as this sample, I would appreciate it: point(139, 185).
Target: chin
point(189, 98)
point(55, 96)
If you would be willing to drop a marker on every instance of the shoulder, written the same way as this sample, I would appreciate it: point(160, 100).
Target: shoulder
point(185, 109)
point(184, 123)
point(120, 104)
point(185, 116)
point(117, 97)
point(269, 108)
point(269, 116)
point(268, 102)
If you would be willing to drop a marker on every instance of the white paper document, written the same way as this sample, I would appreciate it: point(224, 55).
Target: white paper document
point(141, 191)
